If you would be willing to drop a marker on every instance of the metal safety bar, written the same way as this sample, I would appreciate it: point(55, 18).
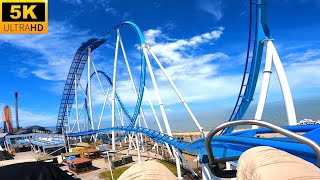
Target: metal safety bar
point(213, 164)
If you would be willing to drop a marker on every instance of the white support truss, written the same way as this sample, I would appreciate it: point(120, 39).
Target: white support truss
point(161, 106)
point(272, 56)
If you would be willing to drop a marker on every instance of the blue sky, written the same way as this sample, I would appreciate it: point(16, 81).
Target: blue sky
point(206, 70)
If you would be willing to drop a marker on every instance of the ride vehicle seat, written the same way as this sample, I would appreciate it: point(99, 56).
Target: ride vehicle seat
point(267, 163)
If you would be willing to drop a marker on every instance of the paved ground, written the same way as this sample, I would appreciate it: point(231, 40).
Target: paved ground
point(20, 158)
point(99, 164)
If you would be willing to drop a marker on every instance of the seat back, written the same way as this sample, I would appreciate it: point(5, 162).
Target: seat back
point(266, 163)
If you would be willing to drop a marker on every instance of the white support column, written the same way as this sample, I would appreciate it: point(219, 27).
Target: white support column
point(186, 163)
point(68, 118)
point(265, 84)
point(131, 140)
point(96, 72)
point(103, 107)
point(131, 143)
point(272, 56)
point(76, 98)
point(138, 147)
point(89, 87)
point(164, 116)
point(85, 127)
point(68, 126)
point(119, 113)
point(114, 90)
point(156, 117)
point(177, 92)
point(44, 150)
point(63, 135)
point(104, 92)
point(231, 166)
point(134, 88)
point(120, 117)
point(74, 124)
point(206, 173)
point(291, 113)
point(140, 134)
point(131, 78)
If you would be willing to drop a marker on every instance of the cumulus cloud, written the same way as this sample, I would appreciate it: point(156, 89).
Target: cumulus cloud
point(27, 117)
point(302, 56)
point(213, 7)
point(175, 51)
point(86, 6)
point(301, 68)
point(195, 74)
point(54, 50)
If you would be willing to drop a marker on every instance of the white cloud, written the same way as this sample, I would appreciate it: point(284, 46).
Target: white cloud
point(195, 67)
point(27, 118)
point(171, 52)
point(195, 74)
point(151, 34)
point(86, 6)
point(169, 25)
point(213, 7)
point(22, 72)
point(301, 69)
point(304, 75)
point(156, 4)
point(111, 10)
point(302, 56)
point(103, 3)
point(55, 50)
point(74, 1)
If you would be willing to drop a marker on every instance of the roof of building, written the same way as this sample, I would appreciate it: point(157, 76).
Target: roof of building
point(79, 161)
point(35, 127)
point(22, 131)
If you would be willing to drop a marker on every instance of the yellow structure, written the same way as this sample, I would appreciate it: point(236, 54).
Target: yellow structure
point(79, 150)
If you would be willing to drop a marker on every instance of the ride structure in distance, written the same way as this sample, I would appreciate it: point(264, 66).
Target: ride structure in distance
point(227, 147)
point(77, 117)
point(7, 119)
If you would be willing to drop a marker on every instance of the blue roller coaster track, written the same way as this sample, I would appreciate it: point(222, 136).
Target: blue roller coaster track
point(126, 112)
point(228, 144)
point(233, 144)
point(258, 31)
point(76, 69)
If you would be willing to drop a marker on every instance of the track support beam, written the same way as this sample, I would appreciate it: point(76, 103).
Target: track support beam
point(272, 56)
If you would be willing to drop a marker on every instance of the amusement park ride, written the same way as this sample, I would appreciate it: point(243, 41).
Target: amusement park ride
point(227, 146)
point(6, 116)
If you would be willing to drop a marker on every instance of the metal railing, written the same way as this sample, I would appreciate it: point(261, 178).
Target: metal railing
point(213, 164)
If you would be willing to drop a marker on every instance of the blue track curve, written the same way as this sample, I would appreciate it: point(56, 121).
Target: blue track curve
point(116, 94)
point(259, 29)
point(126, 112)
point(230, 145)
point(76, 69)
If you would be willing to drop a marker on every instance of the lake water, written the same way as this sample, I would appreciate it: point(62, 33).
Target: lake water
point(274, 113)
